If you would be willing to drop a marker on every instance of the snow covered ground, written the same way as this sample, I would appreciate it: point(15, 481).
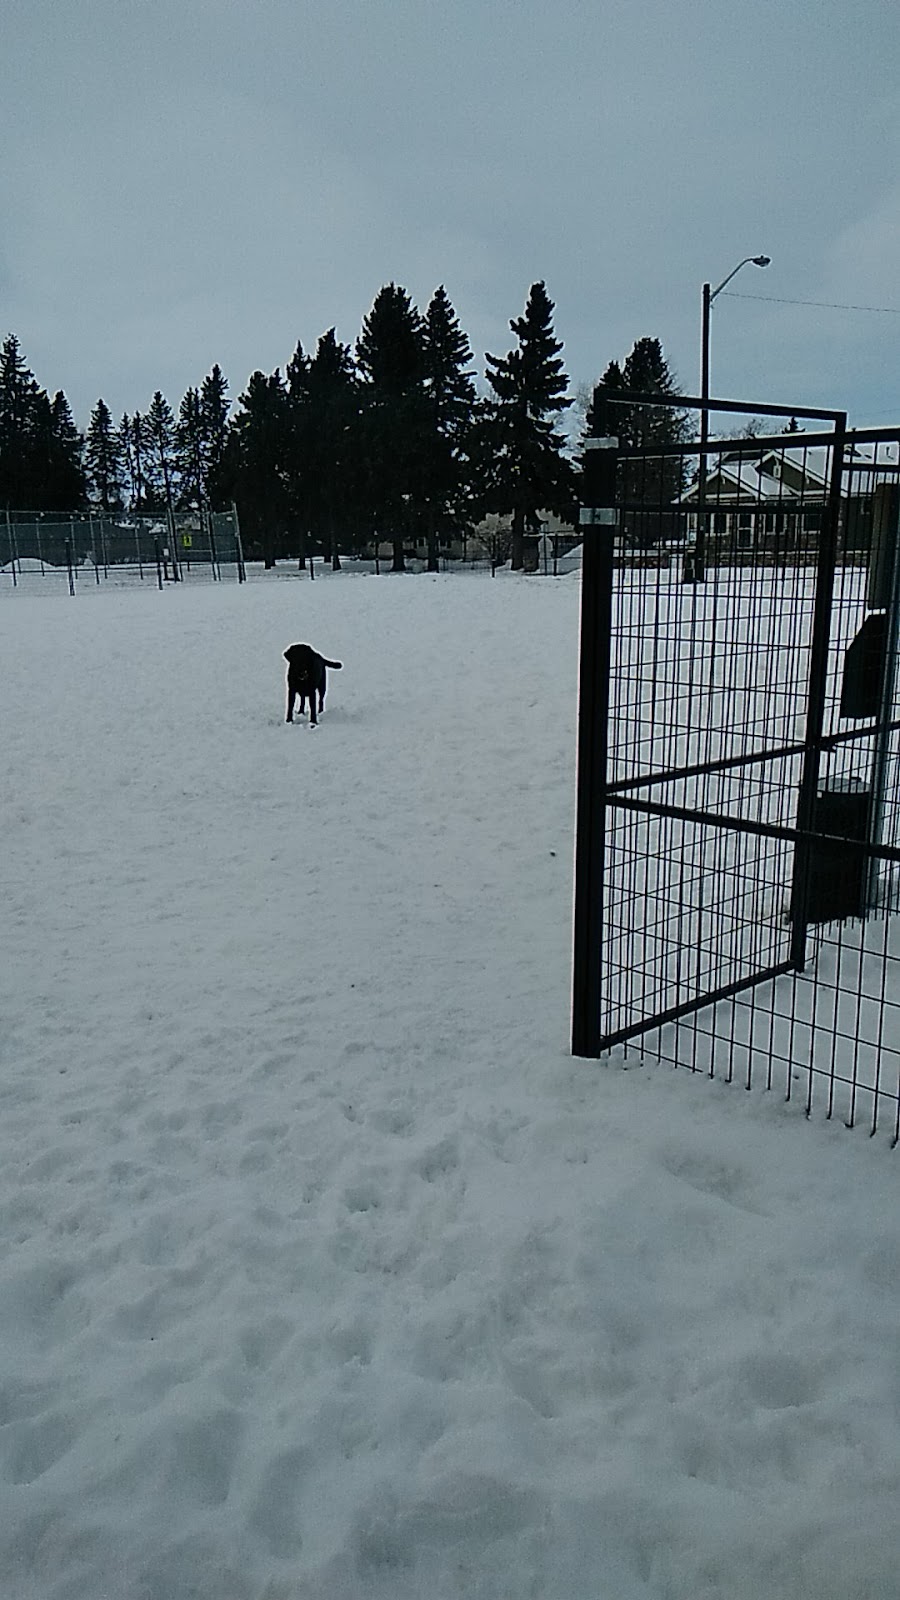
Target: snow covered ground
point(325, 1272)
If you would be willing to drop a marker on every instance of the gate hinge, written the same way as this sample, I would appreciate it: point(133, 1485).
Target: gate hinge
point(598, 516)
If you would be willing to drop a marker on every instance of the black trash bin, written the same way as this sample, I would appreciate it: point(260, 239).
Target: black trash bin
point(837, 864)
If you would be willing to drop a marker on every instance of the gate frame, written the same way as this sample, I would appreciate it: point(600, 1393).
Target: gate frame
point(600, 511)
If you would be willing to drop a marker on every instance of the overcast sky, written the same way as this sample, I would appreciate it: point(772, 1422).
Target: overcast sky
point(191, 181)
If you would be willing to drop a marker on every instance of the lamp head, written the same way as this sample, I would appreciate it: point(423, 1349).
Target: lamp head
point(761, 261)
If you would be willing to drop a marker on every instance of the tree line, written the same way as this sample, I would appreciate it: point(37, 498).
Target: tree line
point(389, 440)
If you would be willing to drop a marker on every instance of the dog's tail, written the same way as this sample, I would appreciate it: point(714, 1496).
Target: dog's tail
point(331, 663)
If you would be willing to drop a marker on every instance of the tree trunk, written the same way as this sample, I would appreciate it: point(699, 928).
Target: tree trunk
point(518, 539)
point(398, 564)
point(434, 553)
point(268, 544)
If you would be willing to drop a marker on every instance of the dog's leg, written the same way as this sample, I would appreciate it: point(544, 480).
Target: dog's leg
point(290, 704)
point(312, 708)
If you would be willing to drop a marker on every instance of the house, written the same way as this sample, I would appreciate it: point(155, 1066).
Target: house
point(770, 502)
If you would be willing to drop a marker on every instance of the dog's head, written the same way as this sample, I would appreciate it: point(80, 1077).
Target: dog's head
point(299, 658)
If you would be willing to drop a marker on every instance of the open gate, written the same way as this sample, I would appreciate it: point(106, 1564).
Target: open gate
point(738, 766)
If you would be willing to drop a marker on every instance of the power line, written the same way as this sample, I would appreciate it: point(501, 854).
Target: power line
point(825, 305)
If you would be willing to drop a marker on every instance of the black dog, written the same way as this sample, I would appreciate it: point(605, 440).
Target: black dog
point(306, 676)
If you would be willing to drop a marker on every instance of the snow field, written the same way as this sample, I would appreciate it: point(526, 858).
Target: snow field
point(326, 1273)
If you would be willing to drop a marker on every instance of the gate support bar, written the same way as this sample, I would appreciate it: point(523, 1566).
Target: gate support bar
point(598, 519)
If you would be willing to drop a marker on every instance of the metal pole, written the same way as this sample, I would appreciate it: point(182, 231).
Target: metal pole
point(213, 552)
point(818, 687)
point(69, 565)
point(12, 564)
point(709, 296)
point(242, 571)
point(699, 570)
point(593, 742)
point(887, 505)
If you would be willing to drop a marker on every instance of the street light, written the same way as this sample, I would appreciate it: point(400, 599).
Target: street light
point(709, 295)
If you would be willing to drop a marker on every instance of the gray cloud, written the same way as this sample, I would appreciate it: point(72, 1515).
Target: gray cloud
point(210, 181)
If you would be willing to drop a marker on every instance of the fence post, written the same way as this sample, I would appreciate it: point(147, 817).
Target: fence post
point(94, 552)
point(241, 569)
point(818, 687)
point(598, 517)
point(159, 569)
point(14, 543)
point(12, 558)
point(213, 552)
point(70, 567)
point(884, 590)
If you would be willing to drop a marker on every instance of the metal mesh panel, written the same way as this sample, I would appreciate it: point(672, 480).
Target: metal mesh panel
point(751, 781)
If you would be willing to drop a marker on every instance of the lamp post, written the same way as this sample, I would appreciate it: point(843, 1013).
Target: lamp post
point(709, 295)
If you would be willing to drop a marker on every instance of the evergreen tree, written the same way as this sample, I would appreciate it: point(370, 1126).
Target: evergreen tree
point(295, 464)
point(104, 459)
point(651, 482)
point(54, 481)
point(390, 355)
point(605, 418)
point(135, 445)
point(450, 394)
point(214, 407)
point(328, 440)
point(259, 449)
point(161, 466)
point(66, 474)
point(530, 385)
point(40, 447)
point(189, 451)
point(18, 395)
point(646, 371)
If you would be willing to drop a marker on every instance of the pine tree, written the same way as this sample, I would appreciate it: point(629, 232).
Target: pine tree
point(160, 429)
point(296, 469)
point(214, 407)
point(259, 446)
point(605, 418)
point(104, 459)
point(450, 394)
point(326, 420)
point(135, 445)
point(18, 395)
point(654, 482)
point(390, 355)
point(530, 385)
point(66, 458)
point(189, 452)
point(646, 371)
point(40, 447)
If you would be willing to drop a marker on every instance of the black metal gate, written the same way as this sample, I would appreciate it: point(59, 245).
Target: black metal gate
point(739, 772)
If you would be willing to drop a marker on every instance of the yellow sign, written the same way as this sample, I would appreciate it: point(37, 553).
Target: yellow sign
point(186, 541)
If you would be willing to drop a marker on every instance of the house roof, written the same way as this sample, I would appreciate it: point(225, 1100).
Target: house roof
point(736, 475)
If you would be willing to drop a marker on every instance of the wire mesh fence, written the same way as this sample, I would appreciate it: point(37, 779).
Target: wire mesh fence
point(39, 551)
point(743, 817)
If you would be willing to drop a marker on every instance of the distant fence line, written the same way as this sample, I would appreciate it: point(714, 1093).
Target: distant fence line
point(119, 549)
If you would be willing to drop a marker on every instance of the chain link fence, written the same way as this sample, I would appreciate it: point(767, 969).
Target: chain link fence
point(40, 550)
